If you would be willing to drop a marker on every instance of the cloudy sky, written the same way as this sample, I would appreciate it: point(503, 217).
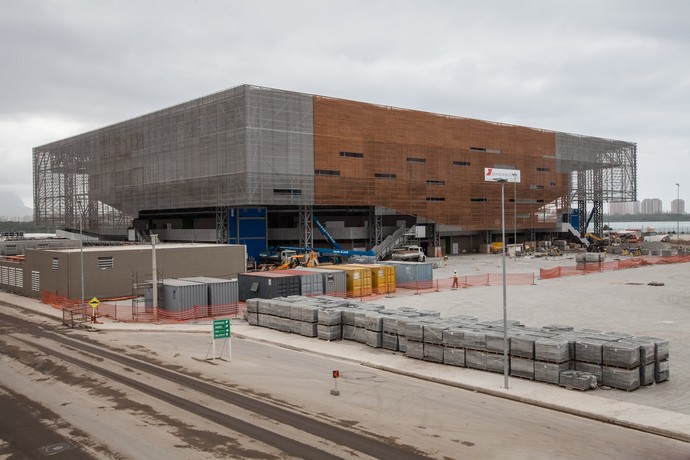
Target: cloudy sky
point(618, 69)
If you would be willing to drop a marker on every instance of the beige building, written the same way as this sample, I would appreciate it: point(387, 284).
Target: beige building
point(111, 271)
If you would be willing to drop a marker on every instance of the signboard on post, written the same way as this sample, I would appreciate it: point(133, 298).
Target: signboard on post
point(499, 175)
point(221, 331)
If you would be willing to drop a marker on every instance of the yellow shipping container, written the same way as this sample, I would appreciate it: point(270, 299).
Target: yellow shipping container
point(358, 279)
point(382, 277)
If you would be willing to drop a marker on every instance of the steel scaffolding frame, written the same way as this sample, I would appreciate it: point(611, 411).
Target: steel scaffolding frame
point(601, 170)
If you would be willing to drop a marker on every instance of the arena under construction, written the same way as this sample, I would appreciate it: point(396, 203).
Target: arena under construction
point(253, 165)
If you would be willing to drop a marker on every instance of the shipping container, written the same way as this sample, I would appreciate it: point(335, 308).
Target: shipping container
point(177, 295)
point(311, 283)
point(357, 279)
point(413, 275)
point(334, 281)
point(382, 277)
point(267, 285)
point(223, 294)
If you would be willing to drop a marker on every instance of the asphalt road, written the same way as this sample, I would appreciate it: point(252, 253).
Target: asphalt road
point(272, 402)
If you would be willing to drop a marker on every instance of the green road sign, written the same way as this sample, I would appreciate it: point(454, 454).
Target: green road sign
point(221, 329)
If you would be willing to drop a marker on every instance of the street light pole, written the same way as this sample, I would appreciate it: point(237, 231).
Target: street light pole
point(678, 215)
point(505, 307)
point(515, 212)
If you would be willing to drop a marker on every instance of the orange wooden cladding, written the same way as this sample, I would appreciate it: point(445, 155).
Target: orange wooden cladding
point(429, 165)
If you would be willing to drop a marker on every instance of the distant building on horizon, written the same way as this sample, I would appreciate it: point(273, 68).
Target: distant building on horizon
point(624, 207)
point(651, 206)
point(678, 206)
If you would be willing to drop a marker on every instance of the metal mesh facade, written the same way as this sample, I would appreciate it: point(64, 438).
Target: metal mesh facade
point(244, 146)
point(255, 146)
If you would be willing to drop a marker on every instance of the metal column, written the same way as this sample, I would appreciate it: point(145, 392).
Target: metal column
point(375, 228)
point(222, 225)
point(306, 226)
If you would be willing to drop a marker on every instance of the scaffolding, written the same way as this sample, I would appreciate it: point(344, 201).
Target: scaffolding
point(601, 171)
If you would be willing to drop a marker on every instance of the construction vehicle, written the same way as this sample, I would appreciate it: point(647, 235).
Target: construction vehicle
point(496, 247)
point(311, 257)
point(596, 243)
point(409, 253)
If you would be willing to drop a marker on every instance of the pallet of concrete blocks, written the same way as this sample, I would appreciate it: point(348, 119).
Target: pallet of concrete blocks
point(494, 362)
point(433, 352)
point(251, 313)
point(374, 339)
point(433, 332)
point(552, 349)
point(307, 329)
point(474, 340)
point(495, 341)
point(621, 354)
point(330, 316)
point(475, 359)
point(589, 350)
point(414, 330)
point(549, 372)
point(661, 371)
point(661, 347)
point(596, 370)
point(414, 349)
point(454, 356)
point(329, 324)
point(373, 322)
point(522, 346)
point(522, 367)
point(452, 337)
point(577, 380)
point(623, 379)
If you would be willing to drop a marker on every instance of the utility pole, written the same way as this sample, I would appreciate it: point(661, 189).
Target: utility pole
point(154, 240)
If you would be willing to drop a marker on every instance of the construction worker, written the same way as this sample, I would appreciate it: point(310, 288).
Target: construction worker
point(455, 280)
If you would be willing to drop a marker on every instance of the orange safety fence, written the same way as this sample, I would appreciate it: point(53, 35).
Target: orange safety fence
point(140, 313)
point(582, 268)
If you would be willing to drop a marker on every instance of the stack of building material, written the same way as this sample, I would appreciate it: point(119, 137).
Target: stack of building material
point(330, 324)
point(433, 341)
point(578, 380)
point(374, 329)
point(414, 334)
point(554, 354)
point(453, 352)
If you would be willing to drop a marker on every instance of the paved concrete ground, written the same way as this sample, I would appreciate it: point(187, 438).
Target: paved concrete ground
point(619, 301)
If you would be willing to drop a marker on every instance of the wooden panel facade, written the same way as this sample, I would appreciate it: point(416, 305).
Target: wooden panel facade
point(432, 166)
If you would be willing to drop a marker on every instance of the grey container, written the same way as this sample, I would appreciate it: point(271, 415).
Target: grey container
point(268, 285)
point(223, 295)
point(311, 283)
point(178, 295)
point(333, 282)
point(412, 274)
